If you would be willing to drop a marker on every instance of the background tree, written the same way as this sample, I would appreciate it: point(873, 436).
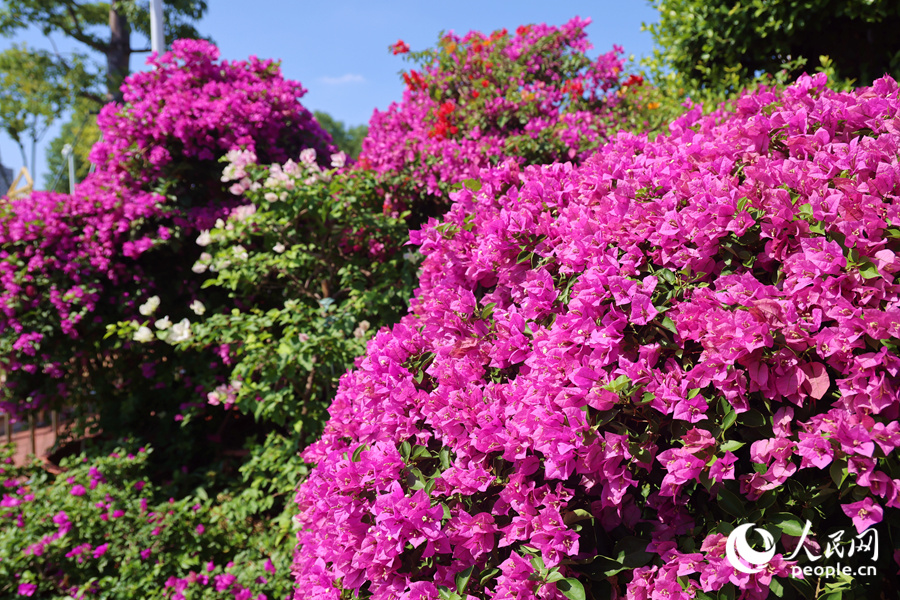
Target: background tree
point(82, 132)
point(34, 92)
point(347, 139)
point(724, 44)
point(102, 27)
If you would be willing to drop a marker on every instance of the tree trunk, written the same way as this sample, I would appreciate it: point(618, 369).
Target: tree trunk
point(118, 57)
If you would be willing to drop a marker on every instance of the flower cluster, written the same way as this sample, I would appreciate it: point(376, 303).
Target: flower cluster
point(607, 367)
point(478, 99)
point(103, 529)
point(70, 264)
point(310, 266)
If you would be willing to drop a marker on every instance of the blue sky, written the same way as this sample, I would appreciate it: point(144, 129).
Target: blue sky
point(338, 51)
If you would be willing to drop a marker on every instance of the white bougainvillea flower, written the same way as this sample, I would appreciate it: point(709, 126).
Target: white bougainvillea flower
point(308, 156)
point(240, 253)
point(181, 332)
point(163, 323)
point(143, 334)
point(338, 160)
point(204, 239)
point(197, 307)
point(242, 212)
point(279, 248)
point(150, 306)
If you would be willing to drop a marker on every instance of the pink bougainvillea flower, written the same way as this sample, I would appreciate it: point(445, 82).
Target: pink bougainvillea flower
point(864, 513)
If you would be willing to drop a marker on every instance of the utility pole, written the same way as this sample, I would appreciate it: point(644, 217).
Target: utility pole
point(69, 154)
point(157, 37)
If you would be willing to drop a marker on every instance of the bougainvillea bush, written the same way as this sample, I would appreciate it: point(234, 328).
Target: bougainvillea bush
point(313, 267)
point(477, 99)
point(70, 265)
point(104, 529)
point(122, 248)
point(609, 367)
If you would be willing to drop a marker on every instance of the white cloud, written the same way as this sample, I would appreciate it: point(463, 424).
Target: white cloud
point(348, 78)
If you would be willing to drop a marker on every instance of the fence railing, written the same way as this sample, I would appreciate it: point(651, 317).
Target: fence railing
point(25, 434)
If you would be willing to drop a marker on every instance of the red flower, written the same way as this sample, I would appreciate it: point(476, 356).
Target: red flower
point(633, 80)
point(522, 30)
point(574, 87)
point(475, 94)
point(400, 47)
point(484, 83)
point(414, 81)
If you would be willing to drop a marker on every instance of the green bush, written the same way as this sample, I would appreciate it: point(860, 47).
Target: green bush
point(104, 528)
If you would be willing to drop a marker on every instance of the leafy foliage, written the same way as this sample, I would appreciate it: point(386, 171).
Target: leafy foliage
point(295, 282)
point(103, 527)
point(347, 139)
point(722, 45)
point(101, 27)
point(34, 93)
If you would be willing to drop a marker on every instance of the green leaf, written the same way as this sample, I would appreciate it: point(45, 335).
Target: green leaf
point(445, 593)
point(488, 575)
point(776, 588)
point(752, 418)
point(731, 445)
point(462, 580)
point(632, 552)
point(488, 310)
point(787, 523)
point(727, 592)
point(571, 589)
point(405, 449)
point(667, 276)
point(472, 184)
point(669, 324)
point(358, 452)
point(838, 472)
point(444, 457)
point(576, 516)
point(868, 270)
point(730, 418)
point(731, 503)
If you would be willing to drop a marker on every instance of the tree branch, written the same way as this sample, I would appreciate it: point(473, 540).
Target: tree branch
point(92, 97)
point(79, 34)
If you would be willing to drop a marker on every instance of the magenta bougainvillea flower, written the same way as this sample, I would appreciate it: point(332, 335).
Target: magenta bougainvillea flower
point(608, 367)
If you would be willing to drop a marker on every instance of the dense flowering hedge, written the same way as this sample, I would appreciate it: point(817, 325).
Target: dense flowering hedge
point(104, 529)
point(610, 366)
point(478, 99)
point(69, 265)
